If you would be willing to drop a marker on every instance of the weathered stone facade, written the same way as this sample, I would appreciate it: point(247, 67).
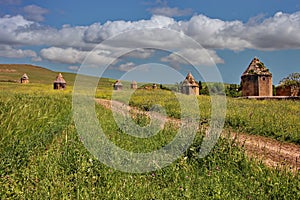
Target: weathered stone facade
point(288, 91)
point(256, 80)
point(190, 86)
point(118, 85)
point(133, 85)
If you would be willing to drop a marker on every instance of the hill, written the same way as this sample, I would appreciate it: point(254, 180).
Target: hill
point(40, 75)
point(36, 74)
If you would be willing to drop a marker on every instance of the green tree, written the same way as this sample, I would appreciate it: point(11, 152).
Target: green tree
point(291, 80)
point(233, 90)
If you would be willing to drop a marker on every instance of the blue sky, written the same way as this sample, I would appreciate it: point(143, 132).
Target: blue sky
point(59, 34)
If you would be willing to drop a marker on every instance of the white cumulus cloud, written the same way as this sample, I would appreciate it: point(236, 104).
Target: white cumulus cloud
point(9, 52)
point(70, 44)
point(35, 13)
point(195, 57)
point(68, 55)
point(170, 12)
point(126, 66)
point(74, 68)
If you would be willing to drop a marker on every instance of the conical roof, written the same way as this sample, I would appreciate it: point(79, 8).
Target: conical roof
point(59, 79)
point(25, 77)
point(257, 68)
point(190, 80)
point(118, 82)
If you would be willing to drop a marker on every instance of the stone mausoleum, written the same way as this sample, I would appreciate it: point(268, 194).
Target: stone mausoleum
point(257, 80)
point(24, 79)
point(59, 83)
point(189, 86)
point(118, 85)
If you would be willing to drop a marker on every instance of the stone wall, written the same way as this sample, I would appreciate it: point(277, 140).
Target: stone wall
point(255, 85)
point(265, 86)
point(288, 91)
point(250, 85)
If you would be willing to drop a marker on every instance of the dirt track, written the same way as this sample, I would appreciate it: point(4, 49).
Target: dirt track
point(271, 152)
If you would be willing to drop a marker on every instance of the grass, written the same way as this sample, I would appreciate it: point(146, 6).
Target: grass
point(270, 118)
point(42, 157)
point(39, 75)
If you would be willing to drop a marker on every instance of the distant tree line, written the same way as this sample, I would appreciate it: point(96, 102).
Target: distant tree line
point(231, 90)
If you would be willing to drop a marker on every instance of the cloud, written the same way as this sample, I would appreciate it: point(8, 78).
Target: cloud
point(195, 57)
point(69, 55)
point(140, 53)
point(215, 33)
point(74, 68)
point(210, 33)
point(170, 12)
point(75, 56)
point(70, 44)
point(9, 26)
point(16, 30)
point(9, 52)
point(37, 59)
point(35, 13)
point(97, 33)
point(10, 2)
point(126, 66)
point(278, 32)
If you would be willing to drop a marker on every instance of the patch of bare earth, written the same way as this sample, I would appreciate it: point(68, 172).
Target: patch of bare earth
point(271, 152)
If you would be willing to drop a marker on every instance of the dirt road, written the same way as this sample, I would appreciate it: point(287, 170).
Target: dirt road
point(271, 152)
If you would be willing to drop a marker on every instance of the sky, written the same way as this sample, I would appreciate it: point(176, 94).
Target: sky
point(154, 35)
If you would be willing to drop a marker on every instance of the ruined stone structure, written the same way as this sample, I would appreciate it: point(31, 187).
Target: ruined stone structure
point(24, 79)
point(118, 85)
point(290, 90)
point(59, 83)
point(256, 80)
point(154, 86)
point(189, 86)
point(133, 85)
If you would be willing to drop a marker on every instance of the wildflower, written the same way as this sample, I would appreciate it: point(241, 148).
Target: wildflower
point(181, 188)
point(153, 175)
point(208, 174)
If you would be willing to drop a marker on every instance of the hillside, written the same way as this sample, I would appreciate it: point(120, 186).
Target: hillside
point(13, 73)
point(40, 75)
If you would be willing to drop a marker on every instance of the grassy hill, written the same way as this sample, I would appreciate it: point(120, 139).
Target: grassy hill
point(13, 73)
point(39, 75)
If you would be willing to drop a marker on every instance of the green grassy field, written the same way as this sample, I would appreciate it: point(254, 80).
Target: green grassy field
point(42, 156)
point(276, 119)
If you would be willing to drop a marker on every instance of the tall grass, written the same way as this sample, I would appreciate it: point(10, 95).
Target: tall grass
point(278, 119)
point(42, 157)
